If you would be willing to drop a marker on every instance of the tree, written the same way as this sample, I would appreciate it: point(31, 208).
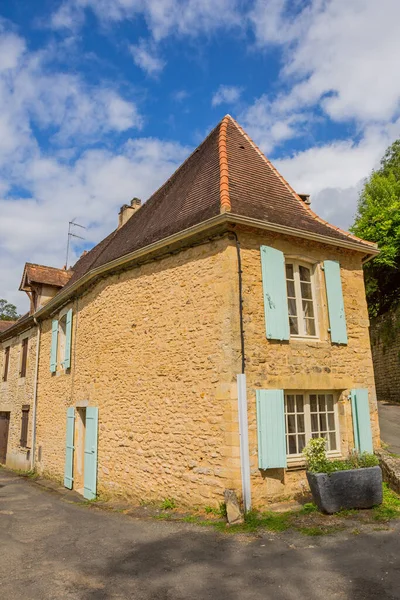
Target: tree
point(8, 312)
point(378, 220)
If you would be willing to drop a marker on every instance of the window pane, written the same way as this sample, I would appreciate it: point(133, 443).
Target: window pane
point(292, 306)
point(302, 442)
point(331, 422)
point(300, 423)
point(292, 444)
point(322, 422)
point(306, 291)
point(314, 424)
point(313, 403)
point(290, 404)
point(308, 309)
point(291, 423)
point(321, 402)
point(305, 274)
point(290, 289)
point(289, 271)
point(332, 441)
point(329, 402)
point(310, 326)
point(294, 327)
point(300, 403)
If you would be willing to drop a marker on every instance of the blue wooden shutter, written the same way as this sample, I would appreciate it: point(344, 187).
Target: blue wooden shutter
point(68, 332)
point(54, 341)
point(90, 462)
point(275, 295)
point(69, 450)
point(271, 429)
point(337, 318)
point(361, 420)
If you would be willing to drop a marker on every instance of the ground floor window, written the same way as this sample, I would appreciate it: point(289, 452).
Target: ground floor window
point(311, 415)
point(24, 426)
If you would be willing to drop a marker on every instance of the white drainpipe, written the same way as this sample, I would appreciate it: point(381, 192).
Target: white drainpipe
point(244, 441)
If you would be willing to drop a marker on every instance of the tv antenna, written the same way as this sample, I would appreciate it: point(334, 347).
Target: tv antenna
point(71, 235)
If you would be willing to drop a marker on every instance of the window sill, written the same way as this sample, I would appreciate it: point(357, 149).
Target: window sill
point(295, 463)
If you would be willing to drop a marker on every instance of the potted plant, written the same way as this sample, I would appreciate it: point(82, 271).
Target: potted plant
point(342, 484)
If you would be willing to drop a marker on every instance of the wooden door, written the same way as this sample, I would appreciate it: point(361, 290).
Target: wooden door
point(4, 425)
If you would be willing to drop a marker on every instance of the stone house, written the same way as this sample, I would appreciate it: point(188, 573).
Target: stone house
point(202, 343)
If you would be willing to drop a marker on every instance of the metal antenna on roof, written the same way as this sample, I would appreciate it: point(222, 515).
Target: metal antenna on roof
point(71, 235)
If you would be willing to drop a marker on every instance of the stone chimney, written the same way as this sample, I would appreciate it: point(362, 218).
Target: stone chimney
point(127, 210)
point(305, 198)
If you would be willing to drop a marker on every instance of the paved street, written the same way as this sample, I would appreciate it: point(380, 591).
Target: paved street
point(52, 549)
point(389, 421)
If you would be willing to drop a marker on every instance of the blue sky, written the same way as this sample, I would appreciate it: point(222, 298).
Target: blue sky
point(100, 100)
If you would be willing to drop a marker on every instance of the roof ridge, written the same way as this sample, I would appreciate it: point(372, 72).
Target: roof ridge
point(292, 191)
point(223, 166)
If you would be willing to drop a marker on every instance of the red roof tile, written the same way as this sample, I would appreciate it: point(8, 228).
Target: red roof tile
point(45, 275)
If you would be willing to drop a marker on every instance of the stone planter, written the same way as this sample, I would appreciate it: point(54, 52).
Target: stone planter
point(356, 488)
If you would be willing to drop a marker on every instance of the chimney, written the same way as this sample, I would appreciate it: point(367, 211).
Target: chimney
point(127, 210)
point(305, 198)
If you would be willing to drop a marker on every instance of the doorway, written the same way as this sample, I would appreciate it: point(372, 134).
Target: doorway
point(79, 462)
point(4, 427)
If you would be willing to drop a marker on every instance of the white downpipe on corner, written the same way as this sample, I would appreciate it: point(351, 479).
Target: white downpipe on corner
point(244, 441)
point(35, 386)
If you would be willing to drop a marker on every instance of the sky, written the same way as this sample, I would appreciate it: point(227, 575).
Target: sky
point(101, 100)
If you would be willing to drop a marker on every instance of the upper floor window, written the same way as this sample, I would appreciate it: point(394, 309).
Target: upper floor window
point(6, 362)
point(24, 357)
point(301, 304)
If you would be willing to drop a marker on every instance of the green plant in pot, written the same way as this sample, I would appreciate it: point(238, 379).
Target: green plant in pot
point(355, 482)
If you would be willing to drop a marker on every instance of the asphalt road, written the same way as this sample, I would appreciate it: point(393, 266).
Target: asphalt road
point(52, 549)
point(389, 422)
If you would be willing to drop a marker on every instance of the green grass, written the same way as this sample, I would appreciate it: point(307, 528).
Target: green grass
point(168, 504)
point(308, 508)
point(390, 507)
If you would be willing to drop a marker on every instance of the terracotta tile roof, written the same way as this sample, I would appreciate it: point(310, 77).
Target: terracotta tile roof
point(226, 173)
point(46, 275)
point(6, 324)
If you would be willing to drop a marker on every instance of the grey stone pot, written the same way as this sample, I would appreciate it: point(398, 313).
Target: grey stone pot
point(356, 488)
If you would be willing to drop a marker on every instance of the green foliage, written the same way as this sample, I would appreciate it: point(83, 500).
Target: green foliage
point(168, 504)
point(8, 312)
point(308, 508)
point(221, 512)
point(378, 220)
point(390, 507)
point(317, 460)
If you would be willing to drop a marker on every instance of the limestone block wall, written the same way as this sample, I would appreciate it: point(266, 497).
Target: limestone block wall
point(16, 392)
point(155, 348)
point(385, 342)
point(304, 364)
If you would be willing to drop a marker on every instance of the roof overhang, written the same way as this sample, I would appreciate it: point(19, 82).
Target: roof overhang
point(212, 226)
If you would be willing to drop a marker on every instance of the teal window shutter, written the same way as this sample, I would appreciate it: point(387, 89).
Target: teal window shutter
point(90, 460)
point(337, 318)
point(54, 342)
point(361, 420)
point(275, 295)
point(69, 450)
point(271, 429)
point(68, 333)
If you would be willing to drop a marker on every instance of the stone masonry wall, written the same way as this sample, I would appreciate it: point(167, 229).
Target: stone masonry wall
point(14, 393)
point(302, 364)
point(153, 349)
point(385, 342)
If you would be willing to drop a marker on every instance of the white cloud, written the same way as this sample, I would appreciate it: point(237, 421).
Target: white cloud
point(226, 94)
point(145, 56)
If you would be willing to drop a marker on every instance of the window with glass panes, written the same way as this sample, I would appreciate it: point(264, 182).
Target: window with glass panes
point(300, 300)
point(310, 415)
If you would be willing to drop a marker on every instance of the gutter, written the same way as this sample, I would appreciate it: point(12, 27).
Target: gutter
point(221, 219)
point(35, 389)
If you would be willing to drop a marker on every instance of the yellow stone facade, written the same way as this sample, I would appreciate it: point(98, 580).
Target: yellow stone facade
point(15, 393)
point(157, 349)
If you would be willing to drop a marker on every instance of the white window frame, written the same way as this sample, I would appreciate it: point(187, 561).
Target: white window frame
point(297, 289)
point(298, 459)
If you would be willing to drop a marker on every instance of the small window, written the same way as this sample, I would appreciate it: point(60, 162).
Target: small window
point(301, 305)
point(6, 362)
point(311, 415)
point(24, 426)
point(24, 357)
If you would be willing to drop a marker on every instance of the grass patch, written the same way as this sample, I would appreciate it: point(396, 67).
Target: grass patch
point(168, 504)
point(308, 508)
point(390, 507)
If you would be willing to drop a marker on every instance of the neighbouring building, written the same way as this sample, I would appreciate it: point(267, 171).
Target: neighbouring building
point(202, 344)
point(385, 343)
